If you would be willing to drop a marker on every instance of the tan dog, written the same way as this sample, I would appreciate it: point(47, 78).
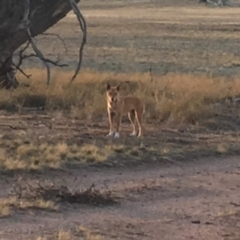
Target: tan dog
point(117, 106)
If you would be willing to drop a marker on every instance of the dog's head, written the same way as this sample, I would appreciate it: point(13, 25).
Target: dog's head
point(113, 93)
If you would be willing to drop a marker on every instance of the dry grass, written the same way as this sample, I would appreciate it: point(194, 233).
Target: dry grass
point(172, 98)
point(4, 210)
point(33, 156)
point(81, 233)
point(89, 234)
point(229, 218)
point(228, 212)
point(183, 39)
point(9, 204)
point(18, 153)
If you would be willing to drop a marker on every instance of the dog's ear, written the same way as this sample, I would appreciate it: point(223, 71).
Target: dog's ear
point(108, 86)
point(118, 87)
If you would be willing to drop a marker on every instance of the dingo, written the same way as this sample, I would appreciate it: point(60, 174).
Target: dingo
point(117, 106)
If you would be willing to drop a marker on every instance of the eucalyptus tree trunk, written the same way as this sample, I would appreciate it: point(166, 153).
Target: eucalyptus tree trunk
point(42, 15)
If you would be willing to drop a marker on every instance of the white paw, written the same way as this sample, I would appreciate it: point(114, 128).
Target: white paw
point(116, 135)
point(134, 133)
point(110, 134)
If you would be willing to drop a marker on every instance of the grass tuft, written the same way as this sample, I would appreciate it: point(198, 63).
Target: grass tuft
point(13, 203)
point(82, 232)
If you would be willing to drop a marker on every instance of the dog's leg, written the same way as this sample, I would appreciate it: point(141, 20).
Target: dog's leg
point(131, 116)
point(139, 121)
point(118, 123)
point(111, 116)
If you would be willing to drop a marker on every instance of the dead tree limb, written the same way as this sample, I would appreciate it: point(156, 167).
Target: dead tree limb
point(25, 24)
point(20, 55)
point(16, 17)
point(54, 63)
point(57, 36)
point(20, 60)
point(83, 27)
point(38, 53)
point(23, 57)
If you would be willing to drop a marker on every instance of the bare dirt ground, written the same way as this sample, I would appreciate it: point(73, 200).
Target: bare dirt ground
point(164, 187)
point(179, 182)
point(197, 200)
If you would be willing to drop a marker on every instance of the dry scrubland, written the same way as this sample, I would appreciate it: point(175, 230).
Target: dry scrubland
point(175, 98)
point(184, 114)
point(190, 114)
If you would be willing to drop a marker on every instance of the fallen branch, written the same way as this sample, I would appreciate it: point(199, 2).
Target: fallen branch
point(83, 27)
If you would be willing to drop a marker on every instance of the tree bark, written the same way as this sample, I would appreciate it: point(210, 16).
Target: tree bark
point(43, 15)
point(7, 75)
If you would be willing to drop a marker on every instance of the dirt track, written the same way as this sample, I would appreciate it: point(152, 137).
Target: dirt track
point(163, 202)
